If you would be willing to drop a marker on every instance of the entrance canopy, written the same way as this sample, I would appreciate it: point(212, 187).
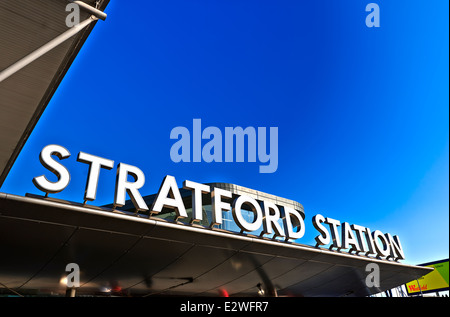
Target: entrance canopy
point(123, 254)
point(119, 252)
point(25, 27)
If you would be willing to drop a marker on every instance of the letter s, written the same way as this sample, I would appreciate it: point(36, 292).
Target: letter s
point(324, 237)
point(41, 182)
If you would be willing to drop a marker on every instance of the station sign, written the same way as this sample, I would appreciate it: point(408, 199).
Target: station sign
point(277, 220)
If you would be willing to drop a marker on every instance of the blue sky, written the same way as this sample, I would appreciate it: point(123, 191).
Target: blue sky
point(362, 112)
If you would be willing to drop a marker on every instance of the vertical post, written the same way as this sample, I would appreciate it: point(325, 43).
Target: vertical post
point(421, 294)
point(70, 292)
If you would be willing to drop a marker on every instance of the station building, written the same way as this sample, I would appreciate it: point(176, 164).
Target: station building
point(121, 252)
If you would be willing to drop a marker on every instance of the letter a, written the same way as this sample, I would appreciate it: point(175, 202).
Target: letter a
point(183, 143)
point(73, 18)
point(73, 278)
point(373, 18)
point(373, 278)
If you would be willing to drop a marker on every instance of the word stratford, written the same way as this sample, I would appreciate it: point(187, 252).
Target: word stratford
point(266, 213)
point(212, 150)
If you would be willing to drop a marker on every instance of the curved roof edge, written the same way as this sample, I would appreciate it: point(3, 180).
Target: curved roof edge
point(259, 195)
point(233, 188)
point(45, 235)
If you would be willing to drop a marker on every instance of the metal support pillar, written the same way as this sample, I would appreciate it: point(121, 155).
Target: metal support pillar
point(71, 291)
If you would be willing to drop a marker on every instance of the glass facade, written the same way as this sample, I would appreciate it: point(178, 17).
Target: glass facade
point(228, 222)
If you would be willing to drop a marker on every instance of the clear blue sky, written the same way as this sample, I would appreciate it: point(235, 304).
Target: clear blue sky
point(362, 113)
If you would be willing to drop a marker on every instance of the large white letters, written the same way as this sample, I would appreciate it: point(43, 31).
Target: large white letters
point(269, 218)
point(55, 167)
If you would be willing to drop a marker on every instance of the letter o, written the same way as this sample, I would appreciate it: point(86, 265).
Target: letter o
point(239, 219)
point(383, 249)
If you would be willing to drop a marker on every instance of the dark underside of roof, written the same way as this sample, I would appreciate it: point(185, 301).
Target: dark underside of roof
point(133, 256)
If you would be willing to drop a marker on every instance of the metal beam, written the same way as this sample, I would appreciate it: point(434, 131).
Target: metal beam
point(44, 49)
point(96, 12)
